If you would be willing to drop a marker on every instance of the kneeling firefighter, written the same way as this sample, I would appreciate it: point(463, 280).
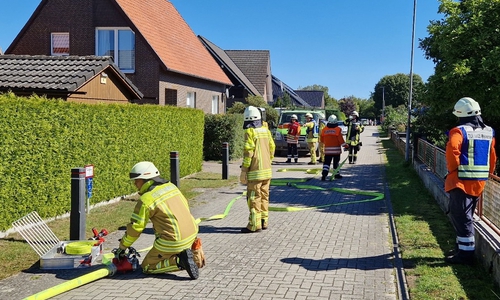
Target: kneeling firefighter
point(175, 228)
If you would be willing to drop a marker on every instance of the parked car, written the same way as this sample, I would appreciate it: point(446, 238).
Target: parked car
point(342, 127)
point(282, 129)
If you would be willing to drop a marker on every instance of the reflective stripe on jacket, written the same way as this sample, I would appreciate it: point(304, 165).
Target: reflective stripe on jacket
point(293, 133)
point(332, 139)
point(311, 131)
point(168, 210)
point(475, 153)
point(352, 136)
point(453, 152)
point(258, 153)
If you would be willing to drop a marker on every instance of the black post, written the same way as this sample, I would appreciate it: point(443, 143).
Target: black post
point(174, 168)
point(225, 160)
point(77, 214)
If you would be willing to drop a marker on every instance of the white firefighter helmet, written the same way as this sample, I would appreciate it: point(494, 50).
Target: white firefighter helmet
point(355, 113)
point(144, 170)
point(466, 107)
point(251, 113)
point(293, 117)
point(332, 119)
point(321, 116)
point(309, 115)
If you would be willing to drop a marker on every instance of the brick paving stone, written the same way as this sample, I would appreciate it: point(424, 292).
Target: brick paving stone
point(341, 251)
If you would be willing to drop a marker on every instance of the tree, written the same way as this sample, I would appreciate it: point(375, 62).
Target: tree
point(347, 105)
point(366, 108)
point(284, 101)
point(257, 101)
point(330, 102)
point(396, 118)
point(394, 90)
point(465, 46)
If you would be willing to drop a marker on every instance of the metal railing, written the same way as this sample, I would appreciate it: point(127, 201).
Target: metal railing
point(488, 208)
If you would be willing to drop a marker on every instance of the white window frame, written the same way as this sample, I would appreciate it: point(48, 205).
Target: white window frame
point(53, 38)
point(215, 104)
point(191, 99)
point(116, 58)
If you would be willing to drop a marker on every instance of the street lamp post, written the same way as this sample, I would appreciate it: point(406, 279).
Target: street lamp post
point(407, 152)
point(383, 104)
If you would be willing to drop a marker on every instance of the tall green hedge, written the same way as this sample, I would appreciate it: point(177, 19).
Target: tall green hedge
point(42, 140)
point(223, 128)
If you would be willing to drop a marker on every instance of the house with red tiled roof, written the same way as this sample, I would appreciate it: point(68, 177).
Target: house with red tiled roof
point(148, 40)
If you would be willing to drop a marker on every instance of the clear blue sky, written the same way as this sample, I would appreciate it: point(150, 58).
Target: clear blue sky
point(347, 46)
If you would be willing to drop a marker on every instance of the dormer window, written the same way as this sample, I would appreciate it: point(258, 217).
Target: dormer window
point(119, 43)
point(59, 43)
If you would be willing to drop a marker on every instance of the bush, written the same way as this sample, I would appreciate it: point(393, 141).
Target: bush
point(223, 128)
point(42, 140)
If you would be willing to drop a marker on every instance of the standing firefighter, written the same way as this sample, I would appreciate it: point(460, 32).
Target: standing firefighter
point(333, 139)
point(263, 117)
point(256, 171)
point(470, 158)
point(174, 226)
point(321, 144)
point(311, 136)
point(354, 129)
point(292, 139)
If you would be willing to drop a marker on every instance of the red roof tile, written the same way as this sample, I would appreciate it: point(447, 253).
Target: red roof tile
point(176, 45)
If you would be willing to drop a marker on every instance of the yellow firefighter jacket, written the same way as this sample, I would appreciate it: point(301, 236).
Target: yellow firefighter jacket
point(258, 153)
point(166, 207)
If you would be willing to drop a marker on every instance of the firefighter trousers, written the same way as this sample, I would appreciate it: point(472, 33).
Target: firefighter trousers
point(328, 161)
point(312, 150)
point(461, 210)
point(166, 260)
point(258, 203)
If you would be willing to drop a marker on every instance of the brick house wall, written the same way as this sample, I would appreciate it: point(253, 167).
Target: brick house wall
point(80, 18)
point(183, 84)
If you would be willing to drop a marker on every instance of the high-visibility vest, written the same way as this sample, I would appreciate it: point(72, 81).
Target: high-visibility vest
point(475, 153)
point(333, 140)
point(165, 206)
point(258, 153)
point(312, 132)
point(293, 133)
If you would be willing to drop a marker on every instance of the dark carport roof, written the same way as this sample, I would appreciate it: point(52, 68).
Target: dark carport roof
point(279, 89)
point(314, 98)
point(64, 74)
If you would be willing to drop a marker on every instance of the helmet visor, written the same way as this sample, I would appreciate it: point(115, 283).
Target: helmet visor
point(134, 175)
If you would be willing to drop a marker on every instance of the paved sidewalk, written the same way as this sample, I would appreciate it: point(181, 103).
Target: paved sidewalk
point(342, 250)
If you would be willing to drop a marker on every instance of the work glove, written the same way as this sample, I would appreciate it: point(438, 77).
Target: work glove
point(119, 253)
point(243, 177)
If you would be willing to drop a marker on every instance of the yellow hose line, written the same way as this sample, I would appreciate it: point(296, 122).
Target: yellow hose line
point(214, 217)
point(71, 284)
point(80, 247)
point(308, 171)
point(293, 183)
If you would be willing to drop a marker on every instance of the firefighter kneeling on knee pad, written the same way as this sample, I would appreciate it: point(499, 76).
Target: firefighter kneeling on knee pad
point(176, 230)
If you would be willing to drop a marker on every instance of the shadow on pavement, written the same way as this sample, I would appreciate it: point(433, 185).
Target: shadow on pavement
point(326, 264)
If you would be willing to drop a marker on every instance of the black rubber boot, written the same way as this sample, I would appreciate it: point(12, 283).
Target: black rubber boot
point(186, 262)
